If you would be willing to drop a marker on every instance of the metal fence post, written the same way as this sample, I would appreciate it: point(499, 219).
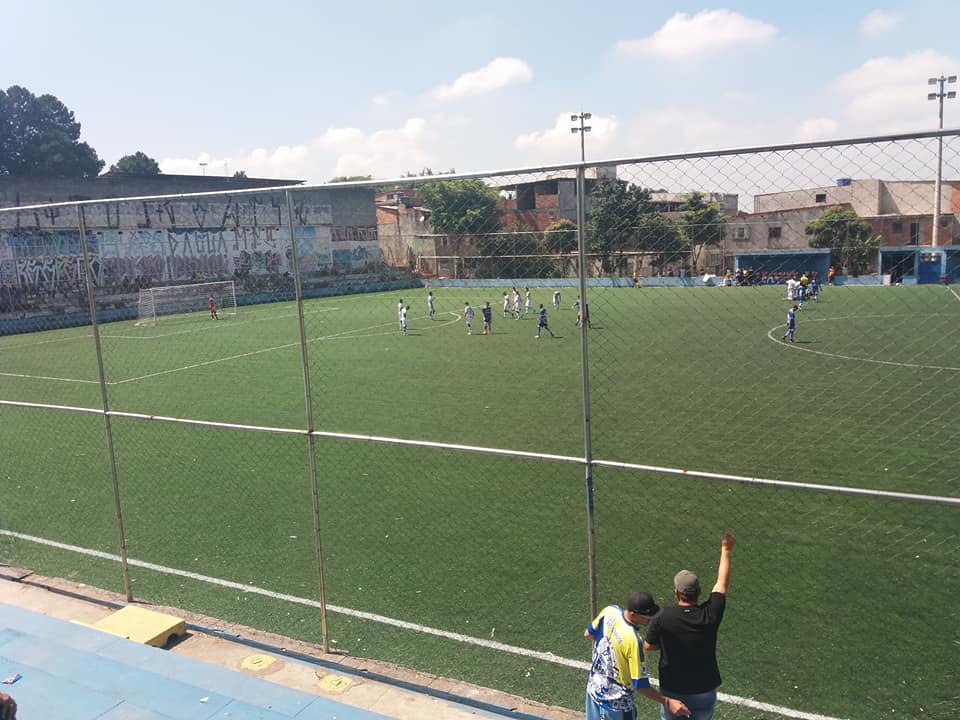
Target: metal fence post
point(585, 376)
point(308, 408)
point(108, 430)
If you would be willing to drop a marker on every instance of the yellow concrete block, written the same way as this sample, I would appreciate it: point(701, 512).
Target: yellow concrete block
point(142, 625)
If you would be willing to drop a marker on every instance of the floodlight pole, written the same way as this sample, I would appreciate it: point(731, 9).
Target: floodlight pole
point(582, 129)
point(940, 95)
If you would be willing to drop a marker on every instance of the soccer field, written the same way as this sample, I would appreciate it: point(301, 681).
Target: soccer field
point(832, 603)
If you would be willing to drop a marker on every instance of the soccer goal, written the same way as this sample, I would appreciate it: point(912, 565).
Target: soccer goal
point(181, 300)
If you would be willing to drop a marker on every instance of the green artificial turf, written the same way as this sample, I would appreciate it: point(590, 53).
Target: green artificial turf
point(840, 605)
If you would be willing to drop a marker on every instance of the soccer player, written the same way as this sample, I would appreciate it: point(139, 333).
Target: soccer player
point(506, 306)
point(815, 288)
point(403, 319)
point(487, 313)
point(400, 313)
point(430, 309)
point(556, 299)
point(542, 322)
point(516, 303)
point(528, 306)
point(213, 308)
point(791, 324)
point(576, 306)
point(468, 316)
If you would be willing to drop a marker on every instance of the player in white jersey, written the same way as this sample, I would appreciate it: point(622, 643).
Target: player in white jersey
point(468, 316)
point(430, 309)
point(403, 319)
point(506, 305)
point(516, 303)
point(528, 303)
point(556, 299)
point(400, 313)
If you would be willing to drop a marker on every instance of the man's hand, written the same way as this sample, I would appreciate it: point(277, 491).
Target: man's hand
point(677, 708)
point(728, 541)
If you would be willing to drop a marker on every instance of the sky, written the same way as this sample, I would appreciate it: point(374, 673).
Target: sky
point(313, 90)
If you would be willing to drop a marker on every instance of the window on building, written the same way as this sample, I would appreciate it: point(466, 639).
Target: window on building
point(526, 197)
point(898, 228)
point(914, 233)
point(820, 197)
point(773, 232)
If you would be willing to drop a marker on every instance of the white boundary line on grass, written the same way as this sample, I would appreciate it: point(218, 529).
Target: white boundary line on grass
point(916, 366)
point(954, 292)
point(501, 452)
point(393, 622)
point(45, 377)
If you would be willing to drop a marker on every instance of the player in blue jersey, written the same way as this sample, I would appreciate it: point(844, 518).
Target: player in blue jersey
point(791, 324)
point(542, 322)
point(487, 313)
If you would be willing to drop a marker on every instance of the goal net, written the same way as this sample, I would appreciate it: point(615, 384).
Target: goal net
point(183, 300)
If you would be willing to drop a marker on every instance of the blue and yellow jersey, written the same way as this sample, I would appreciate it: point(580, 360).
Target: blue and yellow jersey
point(618, 666)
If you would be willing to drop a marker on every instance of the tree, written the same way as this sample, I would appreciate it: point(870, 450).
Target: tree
point(847, 236)
point(560, 237)
point(661, 236)
point(701, 224)
point(139, 164)
point(350, 178)
point(615, 221)
point(460, 207)
point(240, 175)
point(40, 138)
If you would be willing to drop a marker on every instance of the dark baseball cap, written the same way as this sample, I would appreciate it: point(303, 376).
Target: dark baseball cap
point(642, 603)
point(686, 583)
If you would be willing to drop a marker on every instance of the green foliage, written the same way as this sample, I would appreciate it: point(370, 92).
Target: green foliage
point(139, 164)
point(660, 235)
point(618, 209)
point(701, 224)
point(350, 178)
point(560, 237)
point(460, 207)
point(848, 238)
point(40, 138)
point(240, 175)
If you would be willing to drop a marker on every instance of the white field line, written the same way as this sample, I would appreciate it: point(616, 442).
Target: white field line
point(915, 366)
point(383, 619)
point(345, 334)
point(502, 452)
point(46, 377)
point(227, 325)
point(68, 338)
point(954, 292)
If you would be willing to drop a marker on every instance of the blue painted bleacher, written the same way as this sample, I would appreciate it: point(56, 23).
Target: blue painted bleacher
point(77, 673)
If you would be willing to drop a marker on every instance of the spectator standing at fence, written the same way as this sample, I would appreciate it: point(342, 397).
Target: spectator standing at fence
point(8, 708)
point(431, 310)
point(686, 636)
point(468, 316)
point(487, 313)
point(213, 308)
point(791, 324)
point(617, 668)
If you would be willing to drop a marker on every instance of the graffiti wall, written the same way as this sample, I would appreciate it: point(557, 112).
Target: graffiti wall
point(160, 242)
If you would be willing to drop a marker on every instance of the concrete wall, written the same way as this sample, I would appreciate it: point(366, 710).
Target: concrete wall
point(163, 242)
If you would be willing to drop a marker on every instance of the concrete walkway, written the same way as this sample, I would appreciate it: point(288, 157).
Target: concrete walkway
point(218, 670)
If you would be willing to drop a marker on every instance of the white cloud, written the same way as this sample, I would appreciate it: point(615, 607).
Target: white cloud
point(820, 128)
point(888, 94)
point(382, 99)
point(338, 151)
point(498, 73)
point(558, 144)
point(879, 21)
point(686, 35)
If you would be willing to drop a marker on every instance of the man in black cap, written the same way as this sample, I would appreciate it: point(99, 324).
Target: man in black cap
point(618, 668)
point(686, 636)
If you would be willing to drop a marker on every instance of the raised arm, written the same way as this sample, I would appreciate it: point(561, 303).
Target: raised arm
point(723, 572)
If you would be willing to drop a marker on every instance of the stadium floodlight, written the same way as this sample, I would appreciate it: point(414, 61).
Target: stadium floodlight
point(582, 129)
point(939, 95)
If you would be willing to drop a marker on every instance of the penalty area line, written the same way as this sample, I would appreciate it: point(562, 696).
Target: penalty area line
point(393, 622)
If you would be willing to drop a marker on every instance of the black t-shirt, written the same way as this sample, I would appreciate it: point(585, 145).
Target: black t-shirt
point(687, 638)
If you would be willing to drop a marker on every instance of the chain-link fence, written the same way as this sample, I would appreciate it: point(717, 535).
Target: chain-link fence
point(439, 421)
